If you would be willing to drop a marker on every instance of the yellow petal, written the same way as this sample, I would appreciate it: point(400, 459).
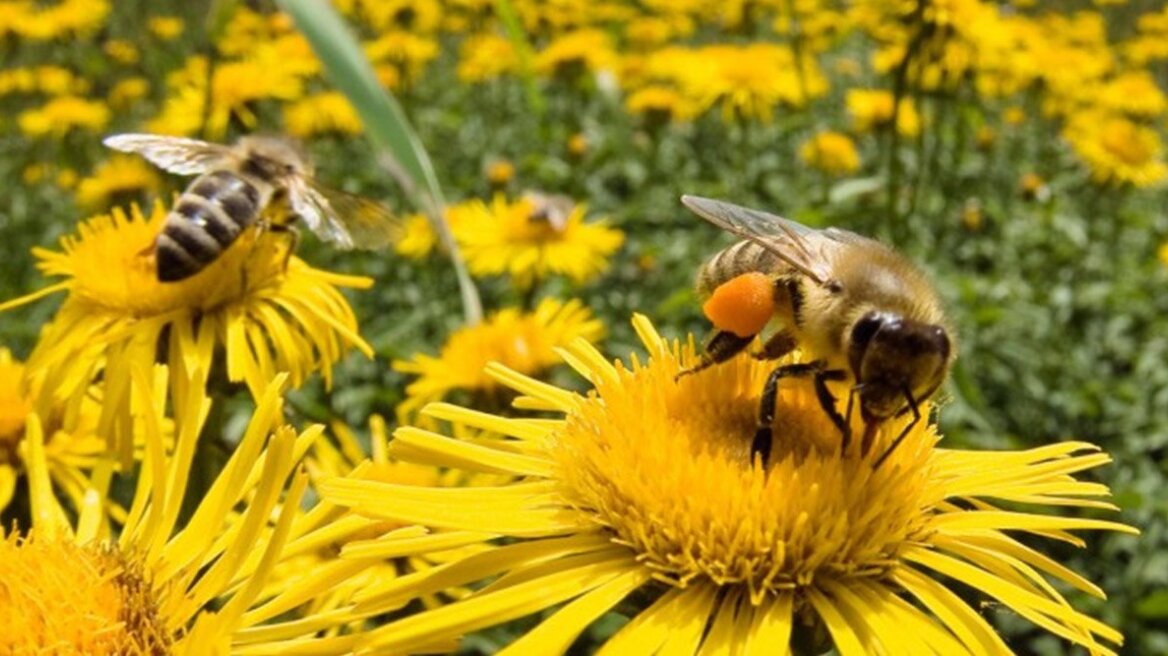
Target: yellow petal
point(555, 634)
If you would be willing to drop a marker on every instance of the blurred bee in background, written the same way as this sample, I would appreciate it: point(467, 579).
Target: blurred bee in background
point(553, 209)
point(235, 187)
point(861, 311)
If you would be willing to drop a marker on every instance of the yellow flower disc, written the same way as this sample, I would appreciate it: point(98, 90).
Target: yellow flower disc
point(637, 451)
point(63, 598)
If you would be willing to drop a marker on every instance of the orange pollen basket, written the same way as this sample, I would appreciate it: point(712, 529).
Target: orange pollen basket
point(742, 305)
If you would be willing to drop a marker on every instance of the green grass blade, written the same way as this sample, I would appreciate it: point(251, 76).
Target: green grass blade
point(518, 37)
point(385, 122)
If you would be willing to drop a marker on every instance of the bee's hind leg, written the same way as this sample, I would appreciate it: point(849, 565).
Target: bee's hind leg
point(720, 347)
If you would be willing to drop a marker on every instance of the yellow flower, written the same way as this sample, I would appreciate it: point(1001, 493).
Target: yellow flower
point(166, 28)
point(273, 71)
point(508, 238)
point(645, 492)
point(1134, 93)
point(660, 104)
point(163, 587)
point(49, 80)
point(577, 145)
point(62, 114)
point(328, 112)
point(831, 152)
point(751, 81)
point(485, 57)
point(128, 91)
point(1162, 253)
point(267, 309)
point(1117, 150)
point(872, 108)
point(121, 51)
point(572, 54)
point(407, 52)
point(418, 240)
point(38, 22)
point(525, 342)
point(500, 172)
point(1014, 115)
point(115, 180)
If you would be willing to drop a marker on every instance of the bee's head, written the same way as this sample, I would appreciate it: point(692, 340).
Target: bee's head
point(275, 156)
point(890, 355)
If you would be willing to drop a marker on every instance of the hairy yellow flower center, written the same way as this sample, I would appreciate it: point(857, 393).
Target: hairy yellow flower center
point(113, 266)
point(667, 467)
point(67, 599)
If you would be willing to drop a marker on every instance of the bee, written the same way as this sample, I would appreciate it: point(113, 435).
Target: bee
point(553, 209)
point(862, 312)
point(235, 187)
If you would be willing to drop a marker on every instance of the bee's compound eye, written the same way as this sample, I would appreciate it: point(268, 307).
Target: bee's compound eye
point(866, 328)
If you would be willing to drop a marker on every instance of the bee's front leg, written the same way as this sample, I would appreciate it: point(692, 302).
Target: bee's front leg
point(763, 436)
point(720, 347)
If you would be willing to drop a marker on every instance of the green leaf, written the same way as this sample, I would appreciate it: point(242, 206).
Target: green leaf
point(385, 122)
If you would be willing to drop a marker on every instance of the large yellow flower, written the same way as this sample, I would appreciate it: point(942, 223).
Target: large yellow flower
point(162, 586)
point(525, 342)
point(645, 490)
point(512, 238)
point(266, 308)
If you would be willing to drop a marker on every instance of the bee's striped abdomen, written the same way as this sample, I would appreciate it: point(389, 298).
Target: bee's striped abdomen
point(730, 262)
point(207, 219)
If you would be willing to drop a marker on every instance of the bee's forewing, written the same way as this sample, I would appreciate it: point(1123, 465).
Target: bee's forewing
point(346, 220)
point(175, 154)
point(794, 243)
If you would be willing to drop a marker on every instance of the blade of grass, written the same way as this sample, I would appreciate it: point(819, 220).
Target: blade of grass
point(515, 33)
point(386, 124)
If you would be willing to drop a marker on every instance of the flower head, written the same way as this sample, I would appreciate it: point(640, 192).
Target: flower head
point(831, 152)
point(647, 485)
point(324, 113)
point(162, 586)
point(1118, 150)
point(510, 238)
point(266, 308)
point(486, 57)
point(63, 114)
point(115, 179)
point(872, 108)
point(525, 342)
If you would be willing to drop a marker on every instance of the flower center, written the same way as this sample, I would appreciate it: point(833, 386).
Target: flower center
point(67, 598)
point(1124, 141)
point(113, 266)
point(667, 467)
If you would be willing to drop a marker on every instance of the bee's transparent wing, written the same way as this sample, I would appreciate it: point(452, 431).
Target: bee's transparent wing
point(794, 243)
point(175, 154)
point(346, 220)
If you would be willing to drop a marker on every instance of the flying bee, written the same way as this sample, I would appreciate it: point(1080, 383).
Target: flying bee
point(860, 310)
point(235, 186)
